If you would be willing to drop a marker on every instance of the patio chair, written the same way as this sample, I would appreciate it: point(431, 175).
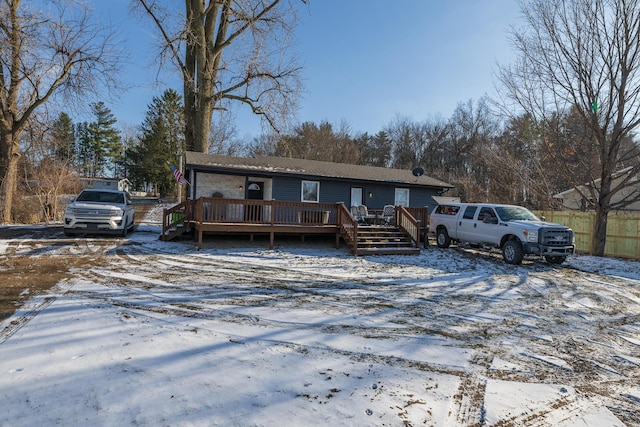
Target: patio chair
point(364, 214)
point(388, 211)
point(356, 213)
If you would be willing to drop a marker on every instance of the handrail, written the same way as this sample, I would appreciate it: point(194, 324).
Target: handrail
point(421, 214)
point(348, 227)
point(176, 216)
point(408, 224)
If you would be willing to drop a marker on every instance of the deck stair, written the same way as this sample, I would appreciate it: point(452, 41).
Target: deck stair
point(178, 230)
point(384, 240)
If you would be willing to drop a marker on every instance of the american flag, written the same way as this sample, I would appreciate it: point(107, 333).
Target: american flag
point(178, 175)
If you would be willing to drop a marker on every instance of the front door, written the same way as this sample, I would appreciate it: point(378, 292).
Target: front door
point(255, 191)
point(356, 196)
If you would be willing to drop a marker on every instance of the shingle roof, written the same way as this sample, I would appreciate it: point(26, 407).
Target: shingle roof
point(311, 168)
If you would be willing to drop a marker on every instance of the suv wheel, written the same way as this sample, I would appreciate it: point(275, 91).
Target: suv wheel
point(512, 252)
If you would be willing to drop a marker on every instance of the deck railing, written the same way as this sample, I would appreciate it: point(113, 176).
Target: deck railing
point(408, 224)
point(264, 212)
point(210, 214)
point(348, 227)
point(176, 218)
point(421, 214)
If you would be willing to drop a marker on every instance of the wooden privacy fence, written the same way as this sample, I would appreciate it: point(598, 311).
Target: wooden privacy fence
point(623, 231)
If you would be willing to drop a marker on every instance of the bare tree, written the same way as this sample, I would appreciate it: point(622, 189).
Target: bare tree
point(230, 51)
point(46, 48)
point(470, 132)
point(584, 55)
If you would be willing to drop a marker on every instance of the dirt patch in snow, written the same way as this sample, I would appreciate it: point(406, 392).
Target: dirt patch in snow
point(23, 277)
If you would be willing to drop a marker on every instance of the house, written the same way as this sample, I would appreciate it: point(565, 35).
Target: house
point(274, 195)
point(308, 181)
point(574, 198)
point(120, 184)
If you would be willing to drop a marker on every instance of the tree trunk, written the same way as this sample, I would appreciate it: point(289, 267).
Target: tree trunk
point(599, 237)
point(9, 182)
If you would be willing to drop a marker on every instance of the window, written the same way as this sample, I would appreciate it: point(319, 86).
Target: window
point(356, 196)
point(310, 191)
point(402, 197)
point(469, 212)
point(447, 210)
point(488, 216)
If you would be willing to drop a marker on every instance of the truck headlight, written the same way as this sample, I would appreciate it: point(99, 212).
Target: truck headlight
point(117, 212)
point(531, 235)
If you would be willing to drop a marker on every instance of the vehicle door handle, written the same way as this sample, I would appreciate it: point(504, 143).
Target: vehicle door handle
point(475, 224)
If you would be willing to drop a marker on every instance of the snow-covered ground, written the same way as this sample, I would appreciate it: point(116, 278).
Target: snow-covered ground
point(153, 333)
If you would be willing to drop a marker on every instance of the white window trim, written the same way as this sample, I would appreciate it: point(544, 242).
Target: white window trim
point(406, 190)
point(317, 184)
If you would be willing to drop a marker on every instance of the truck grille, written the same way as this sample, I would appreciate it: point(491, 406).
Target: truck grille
point(94, 212)
point(556, 237)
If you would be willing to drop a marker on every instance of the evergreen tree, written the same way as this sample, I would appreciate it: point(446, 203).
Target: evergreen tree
point(105, 140)
point(85, 153)
point(374, 150)
point(162, 141)
point(98, 145)
point(63, 138)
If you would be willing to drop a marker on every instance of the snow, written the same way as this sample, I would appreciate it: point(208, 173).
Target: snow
point(159, 333)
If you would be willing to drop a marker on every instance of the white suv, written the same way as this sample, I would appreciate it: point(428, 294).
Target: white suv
point(99, 211)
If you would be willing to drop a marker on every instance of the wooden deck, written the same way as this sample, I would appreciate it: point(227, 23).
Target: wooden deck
point(216, 215)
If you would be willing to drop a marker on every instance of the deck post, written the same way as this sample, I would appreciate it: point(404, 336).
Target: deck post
point(271, 239)
point(199, 239)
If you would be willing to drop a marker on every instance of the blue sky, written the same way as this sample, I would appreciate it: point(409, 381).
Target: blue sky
point(365, 61)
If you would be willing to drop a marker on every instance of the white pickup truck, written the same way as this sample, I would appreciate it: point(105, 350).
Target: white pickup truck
point(513, 229)
point(99, 211)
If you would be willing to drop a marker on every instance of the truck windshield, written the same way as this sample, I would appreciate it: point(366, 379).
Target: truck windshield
point(515, 213)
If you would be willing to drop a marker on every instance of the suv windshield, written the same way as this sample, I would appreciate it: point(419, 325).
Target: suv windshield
point(515, 213)
point(100, 197)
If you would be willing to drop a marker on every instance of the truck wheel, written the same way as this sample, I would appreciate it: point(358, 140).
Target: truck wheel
point(442, 238)
point(125, 229)
point(555, 259)
point(512, 252)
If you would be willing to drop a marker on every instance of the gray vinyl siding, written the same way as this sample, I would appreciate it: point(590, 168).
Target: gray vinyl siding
point(289, 189)
point(334, 191)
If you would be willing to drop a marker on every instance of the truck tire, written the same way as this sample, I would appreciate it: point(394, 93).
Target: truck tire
point(442, 238)
point(555, 259)
point(512, 252)
point(125, 229)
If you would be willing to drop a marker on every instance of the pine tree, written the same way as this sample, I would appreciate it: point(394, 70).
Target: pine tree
point(105, 140)
point(162, 141)
point(85, 151)
point(98, 148)
point(63, 138)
